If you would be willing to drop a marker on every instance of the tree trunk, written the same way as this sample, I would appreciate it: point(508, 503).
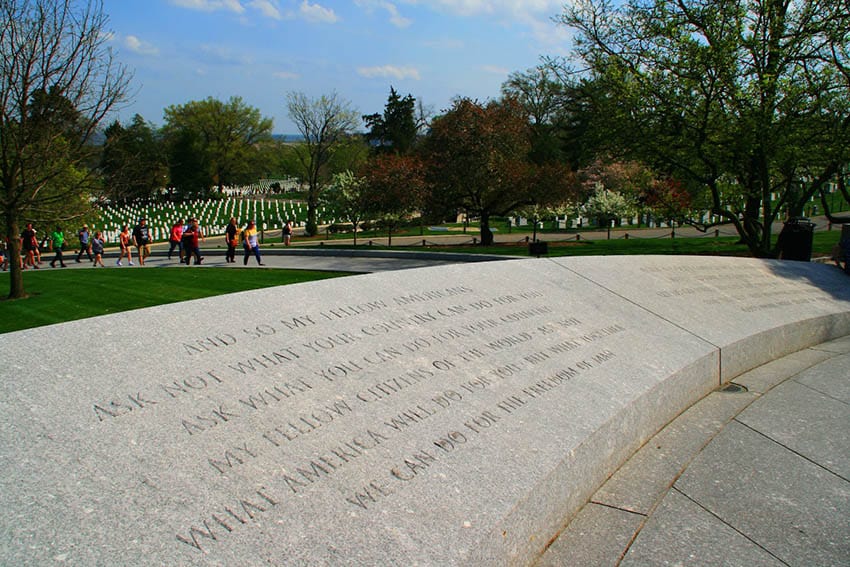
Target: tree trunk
point(16, 276)
point(312, 203)
point(486, 233)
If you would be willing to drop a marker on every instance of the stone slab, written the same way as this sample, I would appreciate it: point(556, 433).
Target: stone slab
point(829, 379)
point(763, 378)
point(641, 483)
point(680, 532)
point(440, 416)
point(786, 504)
point(778, 307)
point(598, 535)
point(806, 421)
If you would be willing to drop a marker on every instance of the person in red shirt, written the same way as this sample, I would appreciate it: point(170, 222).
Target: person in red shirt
point(175, 238)
point(196, 234)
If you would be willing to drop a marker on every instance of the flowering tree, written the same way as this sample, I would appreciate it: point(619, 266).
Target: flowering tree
point(349, 195)
point(606, 205)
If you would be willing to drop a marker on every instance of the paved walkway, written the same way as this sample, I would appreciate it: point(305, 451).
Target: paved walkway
point(295, 257)
point(750, 476)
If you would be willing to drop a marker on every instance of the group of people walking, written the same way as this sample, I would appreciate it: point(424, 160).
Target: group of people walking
point(185, 237)
point(31, 248)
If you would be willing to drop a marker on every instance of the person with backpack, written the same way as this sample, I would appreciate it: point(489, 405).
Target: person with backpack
point(231, 238)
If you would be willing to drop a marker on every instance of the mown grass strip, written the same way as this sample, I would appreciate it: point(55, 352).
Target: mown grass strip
point(57, 296)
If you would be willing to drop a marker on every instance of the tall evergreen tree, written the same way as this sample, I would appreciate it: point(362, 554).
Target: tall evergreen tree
point(133, 161)
point(395, 130)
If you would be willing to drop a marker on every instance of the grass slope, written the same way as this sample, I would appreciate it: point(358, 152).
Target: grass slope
point(66, 295)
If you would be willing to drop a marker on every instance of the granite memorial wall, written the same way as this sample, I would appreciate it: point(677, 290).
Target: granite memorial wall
point(441, 416)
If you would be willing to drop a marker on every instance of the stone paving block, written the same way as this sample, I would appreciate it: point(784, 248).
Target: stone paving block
point(682, 533)
point(805, 421)
point(784, 503)
point(597, 536)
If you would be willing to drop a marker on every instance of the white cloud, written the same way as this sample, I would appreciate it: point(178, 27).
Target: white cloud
point(268, 8)
point(389, 71)
point(136, 45)
point(286, 75)
point(396, 18)
point(317, 13)
point(211, 5)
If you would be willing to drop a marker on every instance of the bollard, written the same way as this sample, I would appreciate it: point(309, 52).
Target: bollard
point(578, 237)
point(673, 233)
point(423, 243)
point(716, 232)
point(626, 236)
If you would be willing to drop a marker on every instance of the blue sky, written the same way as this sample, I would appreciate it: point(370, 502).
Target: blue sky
point(184, 50)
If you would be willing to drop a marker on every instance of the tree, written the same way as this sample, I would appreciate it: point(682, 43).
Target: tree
point(223, 135)
point(543, 97)
point(396, 130)
point(348, 195)
point(477, 160)
point(749, 101)
point(553, 190)
point(59, 81)
point(396, 188)
point(133, 163)
point(325, 123)
point(607, 206)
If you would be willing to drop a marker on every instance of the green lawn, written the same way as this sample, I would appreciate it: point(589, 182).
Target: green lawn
point(66, 295)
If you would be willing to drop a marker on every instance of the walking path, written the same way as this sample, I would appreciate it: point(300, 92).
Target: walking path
point(757, 474)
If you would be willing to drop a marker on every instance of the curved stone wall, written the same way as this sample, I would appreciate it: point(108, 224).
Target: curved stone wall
point(441, 416)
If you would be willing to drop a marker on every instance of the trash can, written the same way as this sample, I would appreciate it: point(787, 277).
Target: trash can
point(795, 239)
point(538, 248)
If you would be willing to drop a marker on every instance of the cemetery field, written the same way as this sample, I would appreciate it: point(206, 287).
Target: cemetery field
point(66, 295)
